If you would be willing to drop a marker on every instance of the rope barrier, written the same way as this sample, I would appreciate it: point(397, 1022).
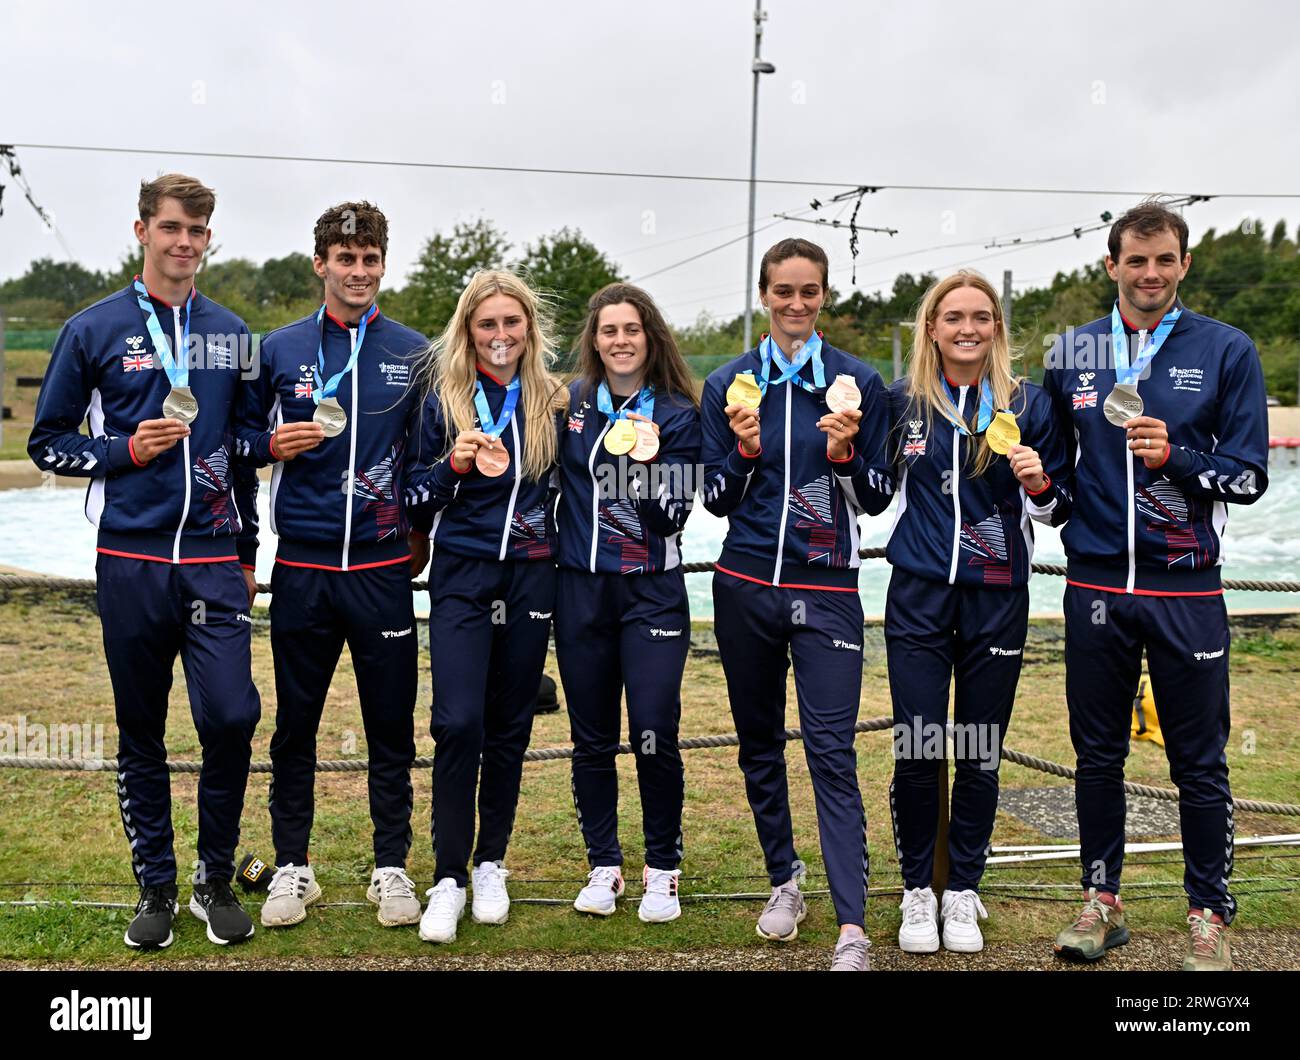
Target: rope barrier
point(29, 581)
point(554, 754)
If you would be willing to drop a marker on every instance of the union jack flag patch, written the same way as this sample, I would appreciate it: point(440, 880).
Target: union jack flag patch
point(137, 362)
point(915, 448)
point(1085, 399)
point(576, 424)
point(302, 390)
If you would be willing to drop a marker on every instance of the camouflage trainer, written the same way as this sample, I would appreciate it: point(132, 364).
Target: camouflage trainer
point(1098, 928)
point(1208, 949)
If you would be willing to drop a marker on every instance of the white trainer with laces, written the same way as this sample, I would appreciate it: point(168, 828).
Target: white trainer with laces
point(293, 888)
point(394, 892)
point(919, 932)
point(659, 903)
point(491, 902)
point(446, 907)
point(604, 888)
point(961, 930)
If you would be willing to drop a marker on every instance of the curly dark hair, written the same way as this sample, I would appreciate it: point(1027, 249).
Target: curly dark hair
point(351, 223)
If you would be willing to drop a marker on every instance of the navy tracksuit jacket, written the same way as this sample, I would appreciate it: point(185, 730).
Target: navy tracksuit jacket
point(1144, 548)
point(621, 619)
point(341, 572)
point(958, 606)
point(787, 581)
point(172, 535)
point(492, 592)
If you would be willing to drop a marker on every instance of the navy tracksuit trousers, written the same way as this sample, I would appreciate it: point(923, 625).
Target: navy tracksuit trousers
point(313, 613)
point(489, 626)
point(150, 611)
point(935, 632)
point(1186, 640)
point(755, 626)
point(633, 632)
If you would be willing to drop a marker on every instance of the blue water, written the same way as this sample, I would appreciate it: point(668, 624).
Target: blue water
point(45, 530)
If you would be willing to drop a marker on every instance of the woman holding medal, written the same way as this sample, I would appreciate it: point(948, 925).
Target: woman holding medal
point(967, 437)
point(793, 463)
point(628, 450)
point(488, 448)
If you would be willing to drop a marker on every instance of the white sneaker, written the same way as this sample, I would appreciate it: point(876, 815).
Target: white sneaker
point(293, 889)
point(919, 932)
point(659, 903)
point(394, 892)
point(604, 889)
point(491, 902)
point(446, 907)
point(961, 930)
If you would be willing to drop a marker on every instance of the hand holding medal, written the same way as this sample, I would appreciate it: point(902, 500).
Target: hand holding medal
point(840, 425)
point(647, 438)
point(1148, 438)
point(743, 400)
point(464, 453)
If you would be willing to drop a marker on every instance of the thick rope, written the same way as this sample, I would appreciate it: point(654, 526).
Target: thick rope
point(554, 754)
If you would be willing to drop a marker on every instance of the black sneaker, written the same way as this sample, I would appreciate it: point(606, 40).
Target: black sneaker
point(216, 905)
point(152, 927)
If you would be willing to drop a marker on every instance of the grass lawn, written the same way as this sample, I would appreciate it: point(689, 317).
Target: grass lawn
point(21, 400)
point(60, 829)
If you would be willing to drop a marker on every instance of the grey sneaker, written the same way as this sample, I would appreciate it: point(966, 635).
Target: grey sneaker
point(394, 892)
point(293, 889)
point(852, 954)
point(784, 913)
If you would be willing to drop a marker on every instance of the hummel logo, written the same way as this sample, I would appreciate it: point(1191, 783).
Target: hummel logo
point(389, 633)
point(1005, 651)
point(241, 617)
point(1202, 655)
point(846, 645)
point(655, 632)
point(539, 614)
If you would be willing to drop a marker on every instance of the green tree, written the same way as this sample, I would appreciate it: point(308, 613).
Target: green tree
point(284, 281)
point(442, 270)
point(568, 269)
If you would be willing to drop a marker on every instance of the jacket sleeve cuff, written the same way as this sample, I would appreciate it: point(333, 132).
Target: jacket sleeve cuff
point(1179, 463)
point(121, 455)
point(738, 464)
point(247, 552)
point(1047, 485)
point(270, 447)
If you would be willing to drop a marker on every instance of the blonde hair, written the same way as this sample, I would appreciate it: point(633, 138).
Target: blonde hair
point(447, 368)
point(925, 385)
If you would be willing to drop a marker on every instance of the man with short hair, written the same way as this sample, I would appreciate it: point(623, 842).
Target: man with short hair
point(338, 406)
point(156, 371)
point(1165, 412)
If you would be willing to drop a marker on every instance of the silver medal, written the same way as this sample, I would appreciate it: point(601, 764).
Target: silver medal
point(330, 415)
point(181, 404)
point(1122, 404)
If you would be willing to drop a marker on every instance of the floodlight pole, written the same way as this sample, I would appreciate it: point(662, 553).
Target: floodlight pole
point(759, 68)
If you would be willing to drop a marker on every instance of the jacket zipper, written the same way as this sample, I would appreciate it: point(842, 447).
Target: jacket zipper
point(1132, 506)
point(352, 459)
point(785, 497)
point(514, 493)
point(185, 442)
point(956, 490)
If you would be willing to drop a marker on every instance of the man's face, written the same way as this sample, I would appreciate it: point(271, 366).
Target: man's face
point(174, 241)
point(351, 274)
point(1148, 271)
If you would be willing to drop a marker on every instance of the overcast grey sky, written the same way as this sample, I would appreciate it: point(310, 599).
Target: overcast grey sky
point(1196, 97)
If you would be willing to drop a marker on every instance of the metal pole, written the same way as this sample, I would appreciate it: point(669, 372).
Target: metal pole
point(753, 175)
point(1006, 300)
point(898, 351)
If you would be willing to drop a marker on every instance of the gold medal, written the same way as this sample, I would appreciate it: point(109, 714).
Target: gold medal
point(1003, 433)
point(647, 442)
point(492, 460)
point(744, 391)
point(620, 438)
point(843, 394)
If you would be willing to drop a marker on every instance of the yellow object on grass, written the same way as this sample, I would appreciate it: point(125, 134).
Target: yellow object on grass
point(1146, 722)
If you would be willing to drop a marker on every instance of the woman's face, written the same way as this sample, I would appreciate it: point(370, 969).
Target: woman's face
point(963, 329)
point(499, 328)
point(793, 298)
point(621, 344)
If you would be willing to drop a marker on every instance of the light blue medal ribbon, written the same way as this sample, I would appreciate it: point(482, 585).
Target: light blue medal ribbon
point(325, 389)
point(645, 403)
point(180, 403)
point(493, 428)
point(771, 352)
point(1126, 372)
point(985, 415)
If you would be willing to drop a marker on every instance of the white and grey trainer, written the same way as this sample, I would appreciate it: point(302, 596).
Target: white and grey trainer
point(394, 892)
point(293, 889)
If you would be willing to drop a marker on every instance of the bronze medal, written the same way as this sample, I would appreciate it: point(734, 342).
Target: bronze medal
point(843, 394)
point(647, 442)
point(492, 460)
